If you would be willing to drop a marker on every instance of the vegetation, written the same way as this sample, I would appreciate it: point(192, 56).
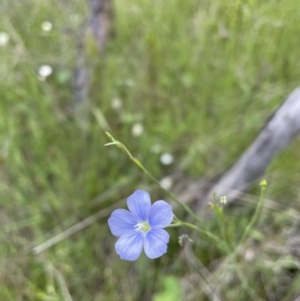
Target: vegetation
point(201, 77)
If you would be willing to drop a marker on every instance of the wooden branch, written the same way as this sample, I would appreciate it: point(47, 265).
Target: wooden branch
point(275, 136)
point(101, 25)
point(101, 21)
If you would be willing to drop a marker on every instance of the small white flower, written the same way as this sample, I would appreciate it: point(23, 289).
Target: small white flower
point(166, 159)
point(137, 129)
point(45, 71)
point(46, 26)
point(166, 182)
point(223, 199)
point(116, 104)
point(4, 38)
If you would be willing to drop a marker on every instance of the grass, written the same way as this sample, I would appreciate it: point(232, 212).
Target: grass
point(202, 77)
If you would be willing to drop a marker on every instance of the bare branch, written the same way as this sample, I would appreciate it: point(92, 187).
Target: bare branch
point(278, 132)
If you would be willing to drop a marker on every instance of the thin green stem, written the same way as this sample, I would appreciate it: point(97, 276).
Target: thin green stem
point(179, 223)
point(140, 165)
point(194, 227)
point(219, 213)
point(252, 223)
point(255, 217)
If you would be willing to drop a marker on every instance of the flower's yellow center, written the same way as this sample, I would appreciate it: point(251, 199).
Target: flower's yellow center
point(143, 227)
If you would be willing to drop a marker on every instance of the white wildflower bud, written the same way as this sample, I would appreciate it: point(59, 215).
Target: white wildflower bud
point(45, 71)
point(137, 129)
point(166, 159)
point(46, 26)
point(223, 199)
point(166, 182)
point(4, 38)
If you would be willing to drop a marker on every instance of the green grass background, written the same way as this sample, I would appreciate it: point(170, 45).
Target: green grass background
point(201, 77)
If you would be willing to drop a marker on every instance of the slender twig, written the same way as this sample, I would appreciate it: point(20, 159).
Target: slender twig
point(140, 165)
point(75, 228)
point(257, 213)
point(251, 224)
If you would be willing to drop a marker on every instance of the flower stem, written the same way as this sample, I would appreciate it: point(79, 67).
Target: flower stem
point(256, 215)
point(140, 165)
point(178, 223)
point(252, 223)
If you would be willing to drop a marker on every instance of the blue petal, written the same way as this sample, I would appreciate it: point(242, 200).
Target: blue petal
point(139, 204)
point(160, 215)
point(121, 221)
point(129, 246)
point(156, 243)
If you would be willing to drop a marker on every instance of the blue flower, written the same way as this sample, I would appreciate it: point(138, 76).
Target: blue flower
point(141, 227)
